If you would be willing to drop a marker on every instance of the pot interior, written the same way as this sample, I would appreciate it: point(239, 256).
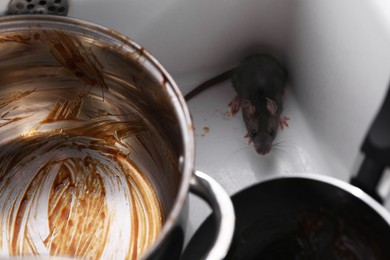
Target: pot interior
point(310, 219)
point(90, 142)
point(302, 218)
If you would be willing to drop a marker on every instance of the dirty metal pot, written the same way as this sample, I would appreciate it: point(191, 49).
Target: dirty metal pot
point(97, 147)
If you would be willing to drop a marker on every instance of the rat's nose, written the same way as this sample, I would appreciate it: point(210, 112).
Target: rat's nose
point(263, 150)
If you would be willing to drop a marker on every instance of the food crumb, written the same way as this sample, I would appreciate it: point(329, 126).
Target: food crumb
point(225, 114)
point(206, 130)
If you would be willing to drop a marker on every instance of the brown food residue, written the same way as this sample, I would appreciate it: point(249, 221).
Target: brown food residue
point(74, 55)
point(225, 114)
point(67, 184)
point(206, 130)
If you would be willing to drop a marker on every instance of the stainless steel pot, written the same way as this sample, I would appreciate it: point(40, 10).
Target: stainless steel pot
point(97, 147)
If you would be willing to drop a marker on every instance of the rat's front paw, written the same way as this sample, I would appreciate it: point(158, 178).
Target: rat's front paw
point(235, 104)
point(283, 122)
point(247, 136)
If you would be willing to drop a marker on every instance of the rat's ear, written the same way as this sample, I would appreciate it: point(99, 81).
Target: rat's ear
point(271, 106)
point(247, 108)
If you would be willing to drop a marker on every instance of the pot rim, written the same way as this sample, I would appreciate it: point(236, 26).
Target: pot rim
point(127, 45)
point(353, 190)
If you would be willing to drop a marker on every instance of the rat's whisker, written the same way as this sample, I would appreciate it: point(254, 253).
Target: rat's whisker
point(281, 142)
point(284, 143)
point(241, 149)
point(237, 151)
point(242, 142)
point(274, 151)
point(278, 150)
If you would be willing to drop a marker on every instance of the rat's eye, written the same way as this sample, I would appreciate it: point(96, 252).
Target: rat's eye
point(253, 133)
point(271, 132)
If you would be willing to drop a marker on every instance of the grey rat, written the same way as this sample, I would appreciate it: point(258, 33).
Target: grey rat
point(260, 83)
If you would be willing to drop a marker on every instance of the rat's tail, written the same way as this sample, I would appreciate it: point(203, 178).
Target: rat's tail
point(221, 77)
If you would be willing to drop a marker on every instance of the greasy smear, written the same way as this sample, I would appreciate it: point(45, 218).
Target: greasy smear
point(72, 54)
point(4, 38)
point(75, 196)
point(68, 109)
point(14, 97)
point(68, 185)
point(74, 192)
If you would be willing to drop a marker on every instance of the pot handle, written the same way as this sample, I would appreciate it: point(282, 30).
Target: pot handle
point(212, 192)
point(376, 148)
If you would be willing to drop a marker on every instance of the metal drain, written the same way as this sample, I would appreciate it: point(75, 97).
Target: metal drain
point(56, 7)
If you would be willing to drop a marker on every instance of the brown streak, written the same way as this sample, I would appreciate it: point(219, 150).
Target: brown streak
point(12, 97)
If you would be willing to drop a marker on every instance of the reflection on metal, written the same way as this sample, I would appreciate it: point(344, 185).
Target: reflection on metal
point(54, 7)
point(83, 170)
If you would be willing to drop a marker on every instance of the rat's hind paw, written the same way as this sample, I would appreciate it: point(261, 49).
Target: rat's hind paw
point(283, 121)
